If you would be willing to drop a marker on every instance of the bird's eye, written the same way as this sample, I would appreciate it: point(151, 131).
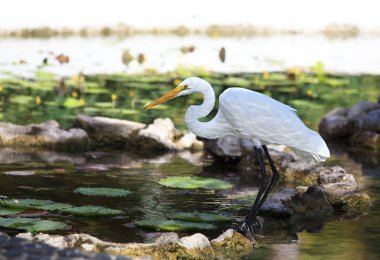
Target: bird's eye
point(185, 86)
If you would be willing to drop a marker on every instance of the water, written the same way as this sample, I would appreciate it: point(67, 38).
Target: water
point(243, 54)
point(58, 174)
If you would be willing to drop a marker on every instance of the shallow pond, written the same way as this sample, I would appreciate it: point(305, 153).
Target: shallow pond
point(54, 176)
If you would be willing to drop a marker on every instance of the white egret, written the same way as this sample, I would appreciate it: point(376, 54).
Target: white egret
point(252, 116)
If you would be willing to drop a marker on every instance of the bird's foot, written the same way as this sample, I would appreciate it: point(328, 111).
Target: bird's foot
point(249, 229)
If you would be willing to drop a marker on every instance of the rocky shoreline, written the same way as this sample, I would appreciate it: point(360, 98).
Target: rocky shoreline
point(311, 192)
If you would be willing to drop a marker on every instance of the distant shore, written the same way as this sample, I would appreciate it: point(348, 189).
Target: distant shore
point(121, 30)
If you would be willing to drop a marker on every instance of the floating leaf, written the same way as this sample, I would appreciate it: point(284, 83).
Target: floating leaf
point(108, 192)
point(9, 211)
point(188, 182)
point(91, 211)
point(172, 225)
point(199, 217)
point(55, 206)
point(31, 224)
point(25, 203)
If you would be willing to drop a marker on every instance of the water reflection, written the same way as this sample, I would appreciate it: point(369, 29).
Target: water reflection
point(57, 174)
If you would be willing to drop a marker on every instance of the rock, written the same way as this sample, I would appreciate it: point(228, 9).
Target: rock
point(367, 138)
point(232, 244)
point(360, 108)
point(163, 136)
point(167, 238)
point(189, 141)
point(158, 136)
point(302, 172)
point(195, 241)
point(335, 174)
point(368, 122)
point(229, 146)
point(46, 135)
point(338, 111)
point(312, 204)
point(278, 204)
point(111, 132)
point(334, 127)
point(360, 124)
point(18, 248)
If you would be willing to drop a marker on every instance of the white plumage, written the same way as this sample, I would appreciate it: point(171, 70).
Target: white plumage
point(249, 115)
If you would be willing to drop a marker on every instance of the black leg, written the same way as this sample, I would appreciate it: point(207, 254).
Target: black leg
point(274, 180)
point(264, 190)
point(263, 186)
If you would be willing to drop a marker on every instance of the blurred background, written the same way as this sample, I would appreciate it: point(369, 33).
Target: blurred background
point(111, 58)
point(68, 45)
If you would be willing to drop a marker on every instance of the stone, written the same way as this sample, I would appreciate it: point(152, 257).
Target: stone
point(189, 141)
point(345, 197)
point(360, 108)
point(111, 132)
point(279, 203)
point(167, 238)
point(338, 111)
point(335, 174)
point(229, 146)
point(163, 136)
point(158, 136)
point(19, 248)
point(46, 135)
point(368, 122)
point(312, 204)
point(333, 127)
point(367, 139)
point(195, 241)
point(232, 244)
point(167, 246)
point(303, 172)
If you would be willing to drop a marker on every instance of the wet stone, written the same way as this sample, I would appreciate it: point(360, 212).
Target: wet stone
point(110, 132)
point(45, 135)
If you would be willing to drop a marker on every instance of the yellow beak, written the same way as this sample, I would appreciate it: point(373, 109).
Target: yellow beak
point(171, 94)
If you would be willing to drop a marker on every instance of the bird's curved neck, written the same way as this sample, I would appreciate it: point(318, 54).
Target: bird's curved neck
point(202, 129)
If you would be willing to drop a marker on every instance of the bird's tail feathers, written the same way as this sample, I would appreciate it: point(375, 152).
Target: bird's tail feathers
point(310, 156)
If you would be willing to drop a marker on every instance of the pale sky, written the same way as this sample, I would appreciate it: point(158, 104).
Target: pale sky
point(293, 14)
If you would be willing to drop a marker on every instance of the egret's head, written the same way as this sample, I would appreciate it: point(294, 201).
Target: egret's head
point(186, 87)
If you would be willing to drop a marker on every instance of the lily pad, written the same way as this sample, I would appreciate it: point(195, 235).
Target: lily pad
point(24, 203)
point(196, 216)
point(188, 182)
point(108, 192)
point(9, 211)
point(31, 224)
point(55, 206)
point(91, 211)
point(172, 225)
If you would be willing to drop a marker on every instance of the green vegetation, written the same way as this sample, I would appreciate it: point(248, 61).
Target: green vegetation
point(90, 211)
point(107, 192)
point(124, 96)
point(172, 225)
point(196, 216)
point(8, 206)
point(31, 224)
point(188, 182)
